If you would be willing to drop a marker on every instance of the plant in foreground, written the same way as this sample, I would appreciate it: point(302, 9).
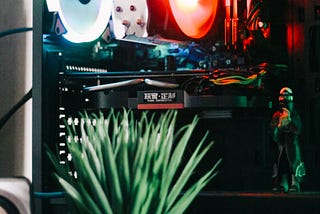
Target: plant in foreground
point(129, 165)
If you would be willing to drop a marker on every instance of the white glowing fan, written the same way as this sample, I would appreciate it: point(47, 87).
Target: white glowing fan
point(84, 20)
point(130, 17)
point(15, 196)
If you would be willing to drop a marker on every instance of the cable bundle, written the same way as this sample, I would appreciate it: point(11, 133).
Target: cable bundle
point(225, 77)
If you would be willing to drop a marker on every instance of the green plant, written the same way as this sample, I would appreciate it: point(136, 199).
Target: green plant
point(130, 165)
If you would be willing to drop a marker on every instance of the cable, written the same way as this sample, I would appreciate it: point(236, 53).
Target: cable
point(49, 194)
point(14, 31)
point(237, 79)
point(27, 96)
point(9, 114)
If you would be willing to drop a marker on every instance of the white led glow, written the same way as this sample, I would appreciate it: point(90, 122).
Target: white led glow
point(53, 5)
point(83, 22)
point(187, 5)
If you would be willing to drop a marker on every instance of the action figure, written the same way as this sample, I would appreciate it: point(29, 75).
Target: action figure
point(286, 127)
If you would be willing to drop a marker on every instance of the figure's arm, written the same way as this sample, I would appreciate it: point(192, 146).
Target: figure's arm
point(295, 124)
point(274, 127)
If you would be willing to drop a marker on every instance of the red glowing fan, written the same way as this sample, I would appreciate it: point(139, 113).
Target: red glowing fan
point(194, 17)
point(185, 19)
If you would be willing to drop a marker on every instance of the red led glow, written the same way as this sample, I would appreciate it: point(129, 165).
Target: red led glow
point(194, 17)
point(295, 38)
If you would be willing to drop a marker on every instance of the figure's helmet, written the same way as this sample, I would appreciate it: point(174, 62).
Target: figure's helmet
point(285, 95)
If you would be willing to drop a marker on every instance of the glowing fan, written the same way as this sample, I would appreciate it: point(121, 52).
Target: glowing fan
point(84, 20)
point(129, 17)
point(194, 17)
point(15, 195)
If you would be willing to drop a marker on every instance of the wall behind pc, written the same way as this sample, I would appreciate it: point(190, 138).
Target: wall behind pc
point(15, 82)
